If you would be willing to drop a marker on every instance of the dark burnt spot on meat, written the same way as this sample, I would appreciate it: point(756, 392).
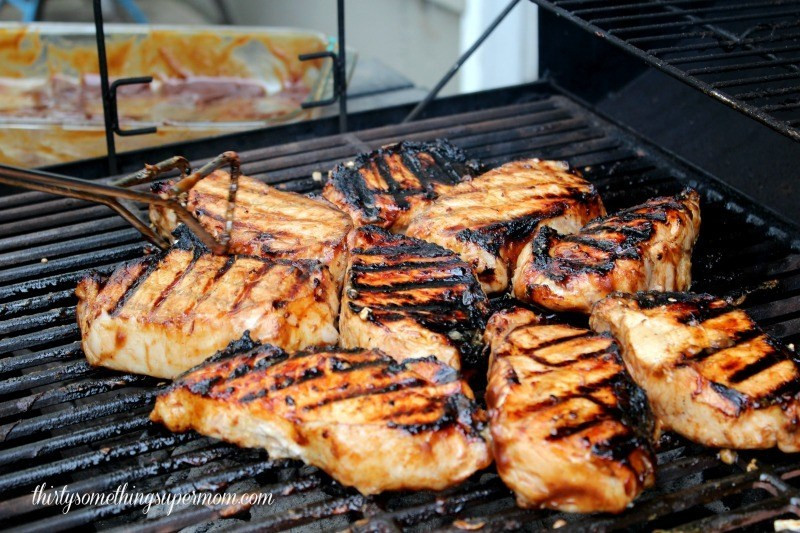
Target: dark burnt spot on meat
point(605, 240)
point(688, 308)
point(738, 400)
point(494, 237)
point(394, 277)
point(203, 386)
point(455, 411)
point(431, 163)
point(224, 268)
point(142, 268)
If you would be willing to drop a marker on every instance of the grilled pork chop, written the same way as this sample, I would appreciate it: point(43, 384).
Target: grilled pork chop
point(710, 373)
point(385, 186)
point(267, 222)
point(367, 420)
point(646, 247)
point(165, 313)
point(410, 298)
point(566, 421)
point(489, 219)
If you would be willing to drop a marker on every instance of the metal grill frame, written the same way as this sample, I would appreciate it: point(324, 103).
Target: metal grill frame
point(62, 421)
point(709, 25)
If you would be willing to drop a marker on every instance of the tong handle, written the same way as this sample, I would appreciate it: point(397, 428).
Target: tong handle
point(109, 195)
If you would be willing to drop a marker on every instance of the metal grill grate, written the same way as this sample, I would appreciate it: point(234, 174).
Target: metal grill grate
point(63, 422)
point(744, 53)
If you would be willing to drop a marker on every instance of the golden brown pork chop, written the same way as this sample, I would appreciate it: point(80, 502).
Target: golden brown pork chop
point(709, 372)
point(646, 247)
point(488, 220)
point(267, 222)
point(370, 422)
point(409, 298)
point(385, 186)
point(165, 313)
point(567, 423)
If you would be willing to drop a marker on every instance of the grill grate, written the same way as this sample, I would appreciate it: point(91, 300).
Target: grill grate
point(744, 53)
point(63, 422)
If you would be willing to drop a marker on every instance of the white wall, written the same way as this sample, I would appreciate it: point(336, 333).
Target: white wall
point(510, 55)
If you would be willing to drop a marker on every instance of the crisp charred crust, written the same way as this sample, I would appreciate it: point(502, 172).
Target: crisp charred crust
point(425, 166)
point(395, 277)
point(735, 380)
point(566, 389)
point(299, 384)
point(494, 237)
point(629, 407)
point(608, 239)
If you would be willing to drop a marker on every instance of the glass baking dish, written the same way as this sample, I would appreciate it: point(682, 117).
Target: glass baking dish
point(208, 80)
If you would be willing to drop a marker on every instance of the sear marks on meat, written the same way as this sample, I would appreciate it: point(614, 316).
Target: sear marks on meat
point(385, 186)
point(167, 312)
point(409, 298)
point(370, 422)
point(488, 220)
point(646, 247)
point(710, 373)
point(267, 222)
point(567, 424)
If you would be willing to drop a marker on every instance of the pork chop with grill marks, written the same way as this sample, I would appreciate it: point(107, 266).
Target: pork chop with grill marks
point(384, 187)
point(267, 222)
point(710, 373)
point(568, 426)
point(410, 298)
point(646, 247)
point(167, 312)
point(488, 220)
point(370, 422)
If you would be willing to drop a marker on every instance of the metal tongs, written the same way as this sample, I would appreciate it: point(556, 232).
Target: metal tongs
point(117, 195)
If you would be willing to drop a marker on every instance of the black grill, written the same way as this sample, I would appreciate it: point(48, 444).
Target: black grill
point(745, 53)
point(63, 422)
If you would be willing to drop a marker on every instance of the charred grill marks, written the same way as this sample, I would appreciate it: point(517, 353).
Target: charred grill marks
point(247, 367)
point(430, 163)
point(636, 225)
point(440, 293)
point(615, 385)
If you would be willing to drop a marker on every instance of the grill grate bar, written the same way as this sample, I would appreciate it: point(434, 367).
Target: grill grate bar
point(72, 391)
point(691, 11)
point(745, 516)
point(52, 445)
point(210, 483)
point(51, 282)
point(737, 29)
point(729, 55)
point(32, 426)
point(697, 47)
point(38, 338)
point(152, 468)
point(38, 320)
point(30, 476)
point(74, 246)
point(307, 514)
point(77, 262)
point(196, 515)
point(701, 22)
point(14, 363)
